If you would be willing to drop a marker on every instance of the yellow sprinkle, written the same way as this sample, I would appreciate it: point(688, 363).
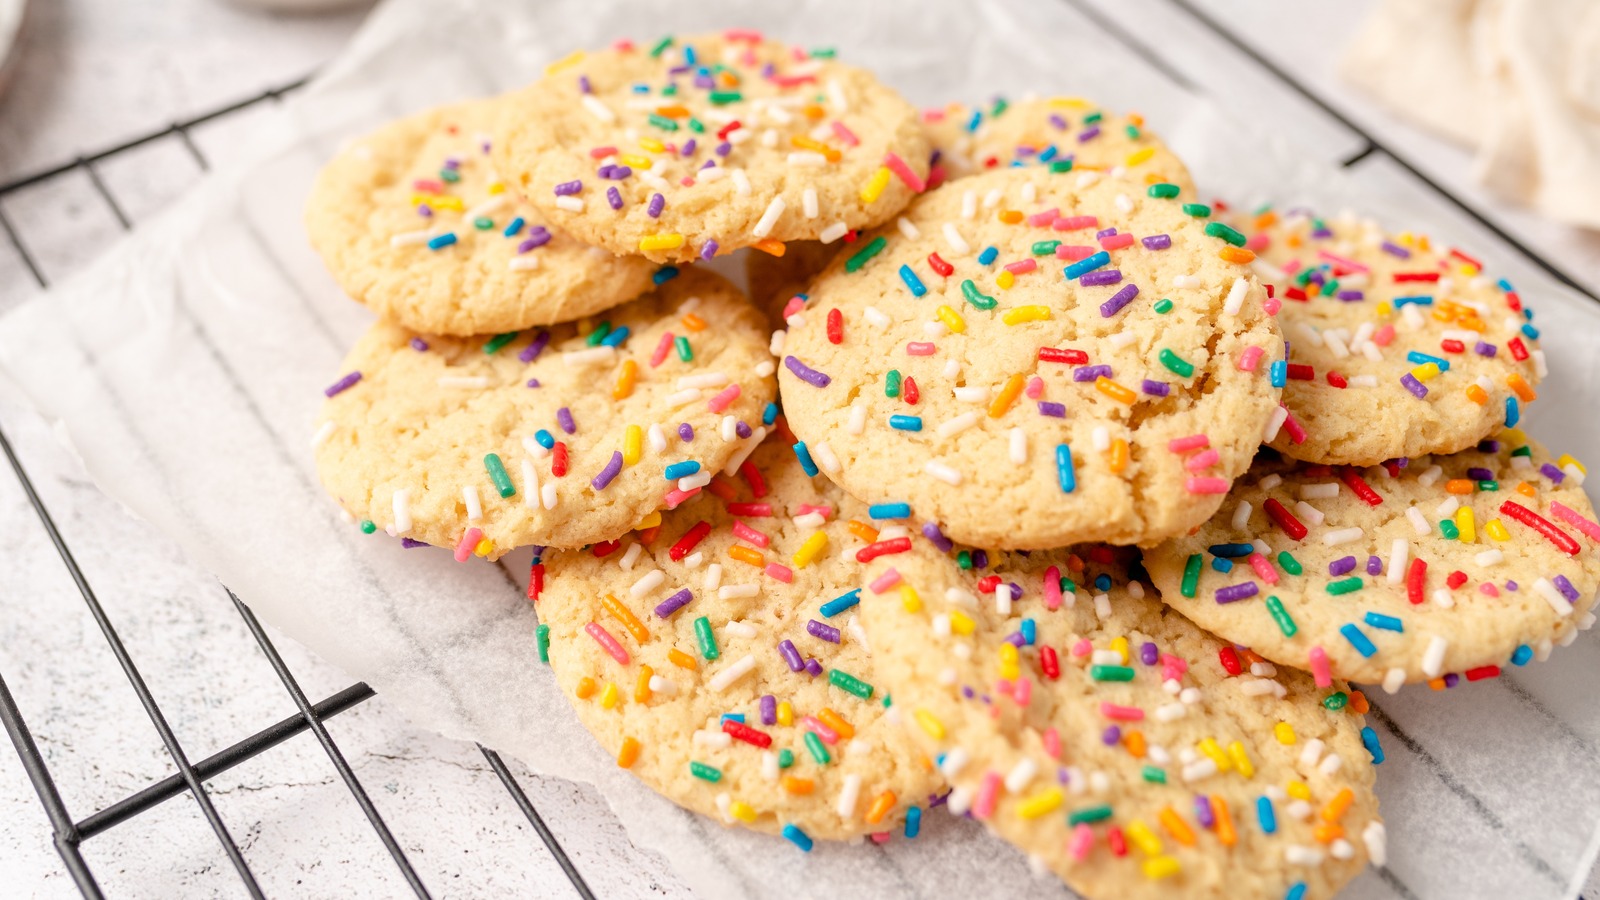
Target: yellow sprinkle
point(875, 185)
point(1213, 752)
point(1496, 529)
point(808, 551)
point(1466, 525)
point(651, 520)
point(951, 319)
point(1385, 310)
point(571, 59)
point(651, 144)
point(1119, 646)
point(1005, 280)
point(632, 444)
point(742, 811)
point(909, 601)
point(499, 187)
point(1299, 791)
point(1426, 372)
point(661, 242)
point(610, 696)
point(930, 723)
point(1040, 804)
point(625, 379)
point(1516, 437)
point(1160, 867)
point(1139, 156)
point(785, 713)
point(1284, 732)
point(1113, 390)
point(1070, 102)
point(1241, 759)
point(628, 753)
point(1140, 835)
point(961, 623)
point(1018, 314)
point(1007, 396)
point(634, 160)
point(484, 547)
point(1566, 459)
point(1010, 667)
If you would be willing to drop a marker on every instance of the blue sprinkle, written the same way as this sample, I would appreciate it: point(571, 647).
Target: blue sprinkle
point(1030, 632)
point(912, 281)
point(664, 274)
point(1419, 300)
point(1521, 655)
point(1102, 583)
point(1297, 891)
point(1358, 639)
point(731, 717)
point(1419, 358)
point(1087, 264)
point(770, 414)
point(439, 242)
point(615, 338)
point(905, 423)
point(681, 469)
point(544, 438)
point(988, 255)
point(841, 603)
point(804, 455)
point(889, 510)
point(1264, 813)
point(913, 822)
point(1064, 470)
point(797, 837)
point(1513, 414)
point(1222, 564)
point(1280, 373)
point(514, 227)
point(972, 123)
point(1049, 153)
point(1531, 332)
point(1369, 740)
point(1506, 286)
point(1231, 551)
point(1387, 623)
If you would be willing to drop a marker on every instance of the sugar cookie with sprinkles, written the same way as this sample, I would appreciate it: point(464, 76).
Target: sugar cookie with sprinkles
point(1111, 739)
point(1033, 358)
point(413, 221)
point(719, 659)
point(1397, 346)
point(560, 436)
point(1042, 132)
point(1431, 569)
point(698, 145)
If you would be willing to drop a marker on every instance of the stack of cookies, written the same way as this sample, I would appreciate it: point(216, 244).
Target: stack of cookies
point(868, 542)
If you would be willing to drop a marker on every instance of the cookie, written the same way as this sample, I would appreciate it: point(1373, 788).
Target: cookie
point(1397, 346)
point(718, 658)
point(702, 144)
point(561, 436)
point(1443, 567)
point(413, 222)
point(1038, 132)
point(1033, 358)
point(1113, 741)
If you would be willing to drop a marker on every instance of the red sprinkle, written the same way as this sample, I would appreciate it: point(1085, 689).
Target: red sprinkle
point(1230, 660)
point(1416, 581)
point(1482, 672)
point(988, 583)
point(1519, 350)
point(690, 539)
point(1337, 380)
point(558, 459)
point(883, 548)
point(742, 732)
point(1528, 517)
point(1295, 293)
point(750, 510)
point(1301, 372)
point(1358, 485)
point(536, 581)
point(730, 128)
point(758, 485)
point(1452, 346)
point(605, 548)
point(1119, 844)
point(939, 265)
point(835, 326)
point(1067, 356)
point(722, 489)
point(1049, 663)
point(1416, 276)
point(910, 391)
point(1455, 579)
point(1284, 519)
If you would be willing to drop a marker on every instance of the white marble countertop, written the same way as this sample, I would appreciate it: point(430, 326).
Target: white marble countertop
point(96, 73)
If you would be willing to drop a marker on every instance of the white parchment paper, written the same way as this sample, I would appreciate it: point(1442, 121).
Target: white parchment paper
point(187, 371)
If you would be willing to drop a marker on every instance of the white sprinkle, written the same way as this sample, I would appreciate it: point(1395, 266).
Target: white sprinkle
point(1002, 599)
point(1170, 712)
point(1430, 474)
point(1376, 839)
point(1433, 656)
point(656, 439)
point(769, 761)
point(875, 317)
point(1419, 523)
point(958, 424)
point(713, 578)
point(765, 368)
point(775, 345)
point(1257, 687)
point(807, 159)
point(1241, 515)
point(660, 685)
point(629, 557)
point(1393, 680)
point(547, 495)
point(825, 457)
point(1122, 339)
point(1309, 513)
point(1342, 536)
point(741, 181)
point(738, 591)
point(729, 429)
point(1199, 769)
point(808, 203)
point(952, 369)
point(1447, 508)
point(943, 472)
point(1311, 752)
point(1021, 774)
point(411, 238)
point(324, 431)
point(1540, 367)
point(810, 521)
point(716, 740)
point(1331, 764)
point(1030, 192)
point(530, 485)
point(1443, 599)
point(1490, 557)
point(589, 356)
point(1280, 415)
point(858, 419)
point(523, 263)
point(597, 109)
point(969, 204)
point(737, 670)
point(649, 582)
point(1323, 491)
point(858, 633)
point(833, 232)
point(958, 244)
point(740, 628)
point(1100, 438)
point(848, 795)
point(909, 230)
point(1271, 481)
point(837, 97)
point(1019, 445)
point(1183, 282)
point(402, 511)
point(1102, 605)
point(1399, 552)
point(469, 496)
point(570, 203)
point(769, 218)
point(679, 398)
point(1298, 855)
point(474, 382)
point(487, 208)
point(954, 761)
point(1557, 601)
point(1336, 345)
point(1236, 295)
point(972, 394)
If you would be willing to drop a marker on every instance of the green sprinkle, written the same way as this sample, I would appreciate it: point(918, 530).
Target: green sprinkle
point(1045, 248)
point(1163, 191)
point(785, 758)
point(483, 223)
point(450, 176)
point(1345, 585)
point(1524, 450)
point(670, 90)
point(1057, 166)
point(704, 772)
point(1198, 210)
point(1191, 576)
point(707, 640)
point(1221, 230)
point(1329, 286)
point(891, 383)
point(1289, 563)
point(1132, 131)
point(970, 291)
point(1282, 617)
point(1000, 106)
point(1089, 815)
point(1069, 586)
point(1111, 673)
point(1176, 364)
point(1335, 700)
point(542, 635)
point(1094, 117)
point(818, 752)
point(861, 257)
point(367, 526)
point(493, 345)
point(1155, 775)
point(696, 126)
point(1163, 306)
point(684, 353)
point(824, 53)
point(964, 559)
point(497, 474)
point(1449, 530)
point(661, 46)
point(1488, 485)
point(1304, 278)
point(662, 122)
point(844, 681)
point(719, 98)
point(599, 333)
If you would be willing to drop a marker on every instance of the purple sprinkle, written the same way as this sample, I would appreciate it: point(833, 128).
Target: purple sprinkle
point(1413, 385)
point(599, 482)
point(568, 187)
point(1452, 680)
point(1350, 296)
point(1202, 811)
point(1317, 278)
point(412, 543)
point(1551, 472)
point(1511, 586)
point(980, 559)
point(709, 250)
point(657, 203)
point(1112, 735)
point(1104, 233)
point(1374, 566)
point(1484, 348)
point(966, 691)
point(689, 147)
point(813, 668)
point(1344, 565)
point(564, 419)
point(1489, 445)
point(806, 373)
point(934, 535)
point(424, 210)
point(1237, 592)
point(1015, 639)
point(1119, 299)
point(1057, 122)
point(343, 384)
point(533, 382)
point(1478, 473)
point(614, 197)
point(605, 170)
point(1101, 277)
point(823, 631)
point(1565, 587)
point(419, 345)
point(1023, 151)
point(1057, 410)
point(724, 148)
point(1156, 242)
point(536, 238)
point(790, 655)
point(1090, 373)
point(1148, 654)
point(583, 84)
point(1322, 233)
point(1156, 388)
point(742, 429)
point(621, 173)
point(674, 603)
point(1395, 250)
point(769, 709)
point(1091, 134)
point(535, 347)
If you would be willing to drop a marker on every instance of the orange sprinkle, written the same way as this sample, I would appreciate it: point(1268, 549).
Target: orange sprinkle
point(806, 143)
point(837, 723)
point(673, 112)
point(1236, 254)
point(1335, 809)
point(1118, 456)
point(1476, 395)
point(1136, 120)
point(1225, 832)
point(1358, 703)
point(862, 530)
point(798, 785)
point(1007, 396)
point(625, 379)
point(1113, 390)
point(681, 659)
point(880, 807)
point(1176, 826)
point(1436, 684)
point(641, 686)
point(745, 554)
point(1524, 390)
point(1525, 489)
point(648, 535)
point(1458, 486)
point(1011, 216)
point(1266, 220)
point(693, 322)
point(628, 753)
point(586, 688)
point(1294, 240)
point(770, 247)
point(1327, 832)
point(814, 111)
point(1134, 741)
point(625, 615)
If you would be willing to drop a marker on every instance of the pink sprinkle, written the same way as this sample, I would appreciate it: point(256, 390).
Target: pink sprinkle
point(1489, 590)
point(1073, 252)
point(468, 541)
point(904, 173)
point(1291, 267)
point(933, 115)
point(1052, 588)
point(1250, 358)
point(1272, 305)
point(601, 152)
point(883, 582)
point(1206, 485)
point(1002, 686)
point(1320, 671)
point(746, 533)
point(1115, 241)
point(1297, 432)
point(780, 572)
point(721, 401)
point(675, 496)
point(1041, 219)
point(1022, 692)
point(879, 837)
point(1185, 444)
point(1052, 742)
point(607, 642)
point(1383, 336)
point(1203, 459)
point(1082, 647)
point(1073, 223)
point(686, 181)
point(1576, 519)
point(806, 509)
point(845, 134)
point(427, 186)
point(795, 304)
point(1035, 387)
point(1081, 842)
point(1257, 242)
point(1022, 266)
point(1120, 713)
point(663, 347)
point(1264, 569)
point(1173, 663)
point(988, 792)
point(921, 348)
point(1350, 264)
point(814, 725)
